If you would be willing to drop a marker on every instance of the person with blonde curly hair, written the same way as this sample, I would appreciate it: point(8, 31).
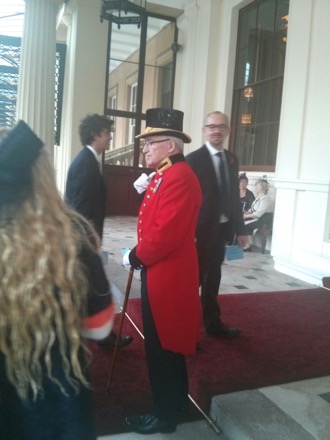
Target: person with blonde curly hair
point(53, 294)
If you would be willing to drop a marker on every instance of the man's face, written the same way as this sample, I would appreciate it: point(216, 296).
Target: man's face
point(155, 149)
point(102, 141)
point(216, 130)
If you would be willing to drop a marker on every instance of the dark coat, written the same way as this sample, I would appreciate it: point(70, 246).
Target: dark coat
point(208, 219)
point(86, 190)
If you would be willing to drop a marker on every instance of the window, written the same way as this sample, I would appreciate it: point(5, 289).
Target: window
point(166, 75)
point(10, 53)
point(258, 82)
point(132, 108)
point(141, 67)
point(113, 105)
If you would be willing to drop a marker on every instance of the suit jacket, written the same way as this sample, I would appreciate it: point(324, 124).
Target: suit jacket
point(208, 219)
point(86, 190)
point(166, 247)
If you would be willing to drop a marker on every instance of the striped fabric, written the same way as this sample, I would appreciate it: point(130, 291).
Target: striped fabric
point(99, 325)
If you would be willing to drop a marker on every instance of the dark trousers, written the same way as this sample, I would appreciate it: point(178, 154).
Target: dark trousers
point(167, 370)
point(210, 261)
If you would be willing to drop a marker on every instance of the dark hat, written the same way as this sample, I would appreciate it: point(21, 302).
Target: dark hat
point(19, 149)
point(164, 121)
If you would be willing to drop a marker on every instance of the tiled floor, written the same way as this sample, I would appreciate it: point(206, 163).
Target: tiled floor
point(253, 273)
point(294, 411)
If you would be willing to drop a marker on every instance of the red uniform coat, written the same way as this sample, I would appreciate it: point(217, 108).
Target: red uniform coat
point(166, 246)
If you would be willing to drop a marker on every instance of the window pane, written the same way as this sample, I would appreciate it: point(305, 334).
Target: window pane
point(260, 145)
point(258, 82)
point(248, 26)
point(264, 102)
point(159, 64)
point(275, 108)
point(272, 144)
point(245, 144)
point(122, 145)
point(265, 54)
point(141, 76)
point(266, 18)
point(165, 86)
point(282, 10)
point(279, 53)
point(123, 63)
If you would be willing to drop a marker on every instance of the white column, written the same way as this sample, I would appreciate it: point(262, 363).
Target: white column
point(36, 88)
point(197, 76)
point(85, 77)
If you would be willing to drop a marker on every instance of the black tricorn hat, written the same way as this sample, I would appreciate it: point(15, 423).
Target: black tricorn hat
point(19, 149)
point(164, 121)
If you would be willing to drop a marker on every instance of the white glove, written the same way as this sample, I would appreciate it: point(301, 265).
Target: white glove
point(141, 184)
point(126, 262)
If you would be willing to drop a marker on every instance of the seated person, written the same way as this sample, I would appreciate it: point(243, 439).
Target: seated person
point(246, 196)
point(262, 204)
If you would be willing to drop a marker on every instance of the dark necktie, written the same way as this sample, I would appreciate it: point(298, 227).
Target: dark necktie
point(224, 190)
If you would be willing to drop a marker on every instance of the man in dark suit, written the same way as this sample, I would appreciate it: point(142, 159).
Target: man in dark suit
point(85, 187)
point(220, 217)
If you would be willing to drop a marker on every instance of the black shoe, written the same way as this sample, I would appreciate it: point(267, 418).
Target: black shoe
point(149, 424)
point(110, 341)
point(223, 331)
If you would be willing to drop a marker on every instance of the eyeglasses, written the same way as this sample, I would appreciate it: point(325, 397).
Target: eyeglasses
point(150, 143)
point(221, 127)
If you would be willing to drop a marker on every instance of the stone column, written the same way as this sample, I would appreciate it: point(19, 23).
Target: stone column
point(85, 76)
point(36, 88)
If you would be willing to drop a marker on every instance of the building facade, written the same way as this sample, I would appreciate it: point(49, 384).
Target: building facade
point(204, 81)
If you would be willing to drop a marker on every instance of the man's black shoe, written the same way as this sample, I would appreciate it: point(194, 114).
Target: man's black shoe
point(223, 331)
point(110, 341)
point(149, 424)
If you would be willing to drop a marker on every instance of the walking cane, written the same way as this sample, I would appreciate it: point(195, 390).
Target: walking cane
point(128, 288)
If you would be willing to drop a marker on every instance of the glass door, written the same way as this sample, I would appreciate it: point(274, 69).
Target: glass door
point(141, 72)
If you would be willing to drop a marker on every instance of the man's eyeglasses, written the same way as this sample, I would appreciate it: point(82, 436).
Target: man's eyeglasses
point(150, 143)
point(221, 127)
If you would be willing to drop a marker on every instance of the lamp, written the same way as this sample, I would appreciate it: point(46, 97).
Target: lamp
point(248, 93)
point(246, 119)
point(117, 11)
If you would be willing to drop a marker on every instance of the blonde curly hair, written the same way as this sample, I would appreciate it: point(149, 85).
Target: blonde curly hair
point(43, 287)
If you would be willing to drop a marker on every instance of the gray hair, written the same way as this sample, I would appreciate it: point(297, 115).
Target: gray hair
point(178, 142)
point(264, 185)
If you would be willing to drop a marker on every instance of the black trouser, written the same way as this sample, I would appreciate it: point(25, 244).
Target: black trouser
point(210, 261)
point(167, 370)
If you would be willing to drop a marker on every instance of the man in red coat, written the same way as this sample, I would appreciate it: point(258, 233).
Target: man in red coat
point(166, 253)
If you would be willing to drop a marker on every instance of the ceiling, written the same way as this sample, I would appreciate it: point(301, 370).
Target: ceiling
point(125, 40)
point(12, 17)
point(12, 13)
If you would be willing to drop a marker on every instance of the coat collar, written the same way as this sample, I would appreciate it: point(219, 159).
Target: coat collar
point(169, 161)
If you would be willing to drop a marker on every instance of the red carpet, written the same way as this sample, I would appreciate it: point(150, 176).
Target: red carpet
point(285, 338)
